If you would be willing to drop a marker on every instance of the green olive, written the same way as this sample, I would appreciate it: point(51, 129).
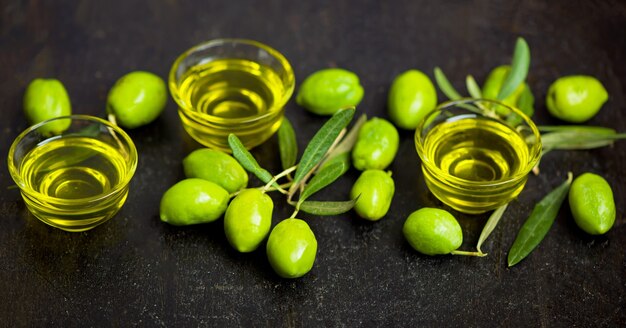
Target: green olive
point(376, 145)
point(329, 90)
point(576, 98)
point(137, 99)
point(217, 167)
point(193, 201)
point(248, 219)
point(433, 231)
point(291, 248)
point(411, 97)
point(592, 204)
point(45, 99)
point(375, 189)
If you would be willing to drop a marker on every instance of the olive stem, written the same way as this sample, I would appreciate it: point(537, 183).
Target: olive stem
point(283, 186)
point(278, 176)
point(535, 169)
point(466, 253)
point(295, 212)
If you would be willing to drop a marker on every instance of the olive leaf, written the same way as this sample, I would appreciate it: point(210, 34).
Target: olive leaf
point(445, 86)
point(323, 178)
point(472, 87)
point(578, 138)
point(491, 224)
point(347, 143)
point(526, 102)
point(327, 207)
point(287, 144)
point(576, 128)
point(246, 160)
point(519, 69)
point(321, 142)
point(538, 223)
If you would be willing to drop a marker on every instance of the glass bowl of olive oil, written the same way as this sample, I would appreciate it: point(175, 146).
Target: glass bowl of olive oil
point(231, 86)
point(76, 179)
point(476, 154)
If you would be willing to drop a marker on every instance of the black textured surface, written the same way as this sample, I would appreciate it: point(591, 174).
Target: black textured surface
point(135, 270)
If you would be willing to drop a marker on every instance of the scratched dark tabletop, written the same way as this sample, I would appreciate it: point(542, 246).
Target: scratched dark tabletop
point(137, 271)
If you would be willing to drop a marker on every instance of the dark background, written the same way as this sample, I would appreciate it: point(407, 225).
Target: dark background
point(135, 270)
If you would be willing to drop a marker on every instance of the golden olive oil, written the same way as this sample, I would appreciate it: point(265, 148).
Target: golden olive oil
point(231, 88)
point(71, 174)
point(476, 157)
point(240, 96)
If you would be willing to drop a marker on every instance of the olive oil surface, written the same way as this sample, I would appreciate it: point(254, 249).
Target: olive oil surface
point(73, 168)
point(477, 149)
point(231, 88)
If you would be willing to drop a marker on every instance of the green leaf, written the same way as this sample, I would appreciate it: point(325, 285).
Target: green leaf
point(445, 86)
point(246, 159)
point(323, 178)
point(576, 128)
point(472, 87)
point(490, 225)
point(537, 225)
point(321, 142)
point(347, 143)
point(579, 139)
point(287, 144)
point(519, 69)
point(327, 208)
point(526, 102)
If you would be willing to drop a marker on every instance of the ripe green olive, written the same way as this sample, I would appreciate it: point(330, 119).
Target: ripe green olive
point(193, 201)
point(375, 189)
point(248, 219)
point(217, 167)
point(412, 95)
point(592, 204)
point(376, 145)
point(137, 99)
point(291, 248)
point(45, 99)
point(576, 98)
point(329, 90)
point(433, 231)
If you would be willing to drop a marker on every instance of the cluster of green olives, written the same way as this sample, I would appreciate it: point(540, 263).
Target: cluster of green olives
point(136, 99)
point(212, 179)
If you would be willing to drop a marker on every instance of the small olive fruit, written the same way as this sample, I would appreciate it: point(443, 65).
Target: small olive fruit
point(576, 98)
point(329, 90)
point(217, 167)
point(433, 231)
point(375, 189)
point(193, 201)
point(592, 204)
point(45, 99)
point(411, 97)
point(291, 248)
point(248, 219)
point(376, 145)
point(137, 99)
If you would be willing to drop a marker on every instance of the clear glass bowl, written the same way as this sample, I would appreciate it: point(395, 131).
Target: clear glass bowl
point(476, 154)
point(76, 179)
point(231, 86)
